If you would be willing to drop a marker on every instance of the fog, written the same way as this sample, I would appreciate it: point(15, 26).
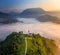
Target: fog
point(46, 29)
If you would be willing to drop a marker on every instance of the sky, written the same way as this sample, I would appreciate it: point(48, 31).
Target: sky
point(48, 5)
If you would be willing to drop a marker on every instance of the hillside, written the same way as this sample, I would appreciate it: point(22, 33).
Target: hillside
point(37, 13)
point(26, 44)
point(6, 18)
point(40, 15)
point(32, 13)
point(49, 18)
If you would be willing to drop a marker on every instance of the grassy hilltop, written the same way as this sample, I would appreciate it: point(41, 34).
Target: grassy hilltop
point(26, 44)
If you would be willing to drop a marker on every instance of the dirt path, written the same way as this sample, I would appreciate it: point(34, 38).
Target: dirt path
point(26, 45)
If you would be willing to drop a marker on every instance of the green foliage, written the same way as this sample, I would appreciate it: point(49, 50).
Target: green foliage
point(15, 44)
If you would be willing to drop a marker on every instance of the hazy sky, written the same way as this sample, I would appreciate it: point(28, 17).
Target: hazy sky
point(19, 4)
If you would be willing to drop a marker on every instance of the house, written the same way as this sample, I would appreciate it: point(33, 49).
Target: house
point(21, 32)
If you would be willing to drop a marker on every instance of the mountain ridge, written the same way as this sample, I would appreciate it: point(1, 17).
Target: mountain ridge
point(37, 13)
point(6, 18)
point(40, 15)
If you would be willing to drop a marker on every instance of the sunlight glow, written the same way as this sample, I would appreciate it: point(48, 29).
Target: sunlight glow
point(50, 5)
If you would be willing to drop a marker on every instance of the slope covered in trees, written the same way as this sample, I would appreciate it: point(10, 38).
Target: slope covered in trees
point(26, 44)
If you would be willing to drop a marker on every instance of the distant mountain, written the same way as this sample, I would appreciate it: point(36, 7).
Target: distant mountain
point(37, 13)
point(40, 15)
point(27, 44)
point(32, 12)
point(7, 18)
point(48, 18)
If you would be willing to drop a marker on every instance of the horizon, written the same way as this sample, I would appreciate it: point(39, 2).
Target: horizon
point(20, 10)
